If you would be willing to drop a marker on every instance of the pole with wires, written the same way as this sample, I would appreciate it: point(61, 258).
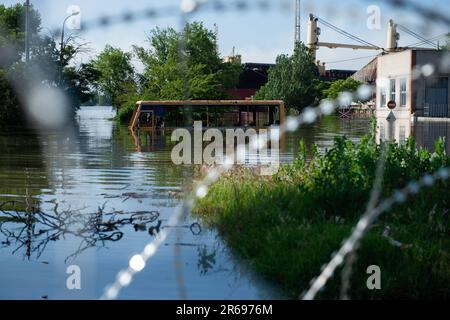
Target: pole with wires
point(416, 35)
point(27, 30)
point(297, 22)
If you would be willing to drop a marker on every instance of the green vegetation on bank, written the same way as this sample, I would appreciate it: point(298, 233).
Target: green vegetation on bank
point(287, 226)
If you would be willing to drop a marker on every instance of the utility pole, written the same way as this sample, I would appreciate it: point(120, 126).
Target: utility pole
point(61, 52)
point(297, 21)
point(27, 30)
point(392, 37)
point(216, 34)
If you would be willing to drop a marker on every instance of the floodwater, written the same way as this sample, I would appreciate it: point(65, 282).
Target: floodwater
point(98, 195)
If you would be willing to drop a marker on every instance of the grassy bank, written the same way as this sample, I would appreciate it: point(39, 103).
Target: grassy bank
point(287, 226)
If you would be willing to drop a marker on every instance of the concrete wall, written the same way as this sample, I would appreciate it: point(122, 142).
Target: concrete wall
point(400, 65)
point(421, 58)
point(426, 133)
point(398, 130)
point(395, 66)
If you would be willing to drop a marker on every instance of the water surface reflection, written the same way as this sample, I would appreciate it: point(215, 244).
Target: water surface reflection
point(86, 196)
point(424, 131)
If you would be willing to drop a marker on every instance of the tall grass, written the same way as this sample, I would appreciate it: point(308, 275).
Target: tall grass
point(288, 226)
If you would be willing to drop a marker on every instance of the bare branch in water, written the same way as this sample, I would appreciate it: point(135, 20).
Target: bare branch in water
point(33, 228)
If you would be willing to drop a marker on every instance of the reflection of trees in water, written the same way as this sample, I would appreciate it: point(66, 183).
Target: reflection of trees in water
point(206, 259)
point(33, 229)
point(212, 256)
point(217, 258)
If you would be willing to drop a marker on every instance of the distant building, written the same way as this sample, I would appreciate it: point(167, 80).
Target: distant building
point(368, 76)
point(368, 73)
point(253, 77)
point(335, 74)
point(414, 80)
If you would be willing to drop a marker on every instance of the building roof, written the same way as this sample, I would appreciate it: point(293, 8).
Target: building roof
point(336, 74)
point(254, 75)
point(210, 102)
point(368, 73)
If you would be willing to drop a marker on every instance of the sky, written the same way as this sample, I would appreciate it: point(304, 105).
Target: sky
point(259, 35)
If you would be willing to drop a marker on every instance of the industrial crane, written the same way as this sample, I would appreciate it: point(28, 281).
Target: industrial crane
point(314, 31)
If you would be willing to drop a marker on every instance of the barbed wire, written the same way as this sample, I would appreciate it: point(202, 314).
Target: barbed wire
point(374, 197)
point(221, 6)
point(432, 15)
point(309, 115)
point(190, 6)
point(351, 243)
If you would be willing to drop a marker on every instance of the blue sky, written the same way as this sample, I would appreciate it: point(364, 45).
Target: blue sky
point(258, 35)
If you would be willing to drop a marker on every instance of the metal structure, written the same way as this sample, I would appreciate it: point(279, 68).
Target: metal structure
point(314, 31)
point(392, 37)
point(61, 53)
point(27, 30)
point(209, 109)
point(297, 21)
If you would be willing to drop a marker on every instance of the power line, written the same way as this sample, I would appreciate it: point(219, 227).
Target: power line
point(345, 33)
point(297, 21)
point(415, 35)
point(431, 39)
point(359, 58)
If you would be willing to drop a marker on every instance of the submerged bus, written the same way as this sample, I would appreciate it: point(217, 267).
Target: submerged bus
point(151, 115)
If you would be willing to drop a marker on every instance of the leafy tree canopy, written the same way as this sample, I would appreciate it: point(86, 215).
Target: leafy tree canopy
point(293, 79)
point(185, 65)
point(17, 76)
point(115, 71)
point(446, 46)
point(339, 86)
point(12, 32)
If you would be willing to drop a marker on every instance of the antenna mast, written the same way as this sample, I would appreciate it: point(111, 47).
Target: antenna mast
point(297, 21)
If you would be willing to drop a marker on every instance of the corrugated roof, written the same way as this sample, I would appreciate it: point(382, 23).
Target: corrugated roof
point(368, 73)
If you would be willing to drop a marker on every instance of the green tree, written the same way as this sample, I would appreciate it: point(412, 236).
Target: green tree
point(9, 102)
point(116, 72)
point(339, 86)
point(81, 83)
point(228, 74)
point(180, 65)
point(294, 79)
point(12, 47)
point(186, 65)
point(446, 46)
point(18, 77)
point(12, 32)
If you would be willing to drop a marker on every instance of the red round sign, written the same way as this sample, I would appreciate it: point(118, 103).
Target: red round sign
point(391, 104)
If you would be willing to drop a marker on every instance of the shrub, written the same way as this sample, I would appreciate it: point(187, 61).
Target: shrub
point(288, 226)
point(125, 113)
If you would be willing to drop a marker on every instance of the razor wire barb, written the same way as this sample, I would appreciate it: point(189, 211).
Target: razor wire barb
point(219, 6)
point(186, 6)
point(374, 197)
point(309, 115)
point(351, 243)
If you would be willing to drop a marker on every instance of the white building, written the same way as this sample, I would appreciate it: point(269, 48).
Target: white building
point(416, 81)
